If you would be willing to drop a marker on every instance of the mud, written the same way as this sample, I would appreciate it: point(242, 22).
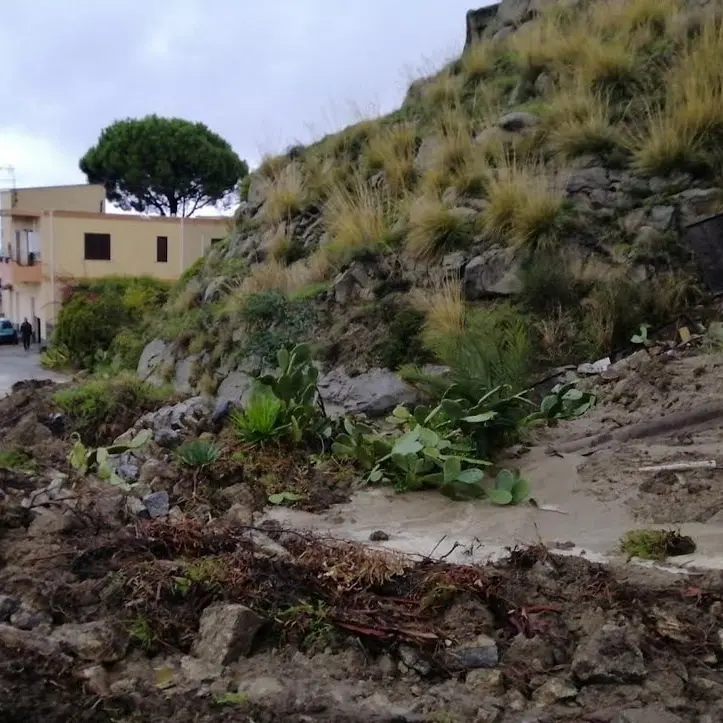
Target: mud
point(498, 615)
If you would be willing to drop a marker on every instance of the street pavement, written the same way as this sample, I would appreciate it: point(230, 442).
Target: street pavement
point(17, 365)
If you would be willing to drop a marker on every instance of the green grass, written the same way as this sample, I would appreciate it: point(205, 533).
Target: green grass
point(16, 459)
point(655, 544)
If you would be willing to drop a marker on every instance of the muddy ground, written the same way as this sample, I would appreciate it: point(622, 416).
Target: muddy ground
point(207, 614)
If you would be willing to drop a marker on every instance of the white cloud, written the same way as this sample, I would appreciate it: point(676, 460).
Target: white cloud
point(36, 160)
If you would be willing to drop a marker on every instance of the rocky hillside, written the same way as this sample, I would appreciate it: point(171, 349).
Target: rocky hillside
point(532, 194)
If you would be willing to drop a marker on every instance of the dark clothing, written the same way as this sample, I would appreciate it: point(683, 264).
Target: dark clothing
point(26, 333)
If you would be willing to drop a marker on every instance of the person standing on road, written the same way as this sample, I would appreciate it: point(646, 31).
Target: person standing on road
point(26, 332)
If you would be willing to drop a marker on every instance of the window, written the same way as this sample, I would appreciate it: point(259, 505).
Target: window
point(215, 241)
point(162, 249)
point(97, 247)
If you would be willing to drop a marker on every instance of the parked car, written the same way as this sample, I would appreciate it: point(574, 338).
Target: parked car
point(8, 333)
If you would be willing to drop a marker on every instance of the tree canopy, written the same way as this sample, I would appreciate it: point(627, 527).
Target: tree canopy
point(167, 165)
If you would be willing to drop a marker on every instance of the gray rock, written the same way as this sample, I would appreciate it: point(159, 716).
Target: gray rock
point(518, 121)
point(374, 393)
point(226, 633)
point(349, 284)
point(485, 681)
point(535, 653)
point(554, 690)
point(27, 618)
point(8, 605)
point(611, 655)
point(454, 262)
point(587, 179)
point(167, 438)
point(215, 290)
point(649, 714)
point(151, 469)
point(32, 642)
point(496, 272)
point(633, 221)
point(101, 641)
point(479, 653)
point(412, 660)
point(220, 412)
point(427, 154)
point(157, 504)
point(128, 472)
point(184, 372)
point(379, 536)
point(153, 354)
point(662, 217)
point(697, 203)
point(135, 508)
point(235, 388)
point(239, 514)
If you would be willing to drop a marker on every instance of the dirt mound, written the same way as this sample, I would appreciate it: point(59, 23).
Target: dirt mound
point(658, 398)
point(193, 622)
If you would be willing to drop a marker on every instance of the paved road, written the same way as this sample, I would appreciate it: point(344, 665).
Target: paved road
point(17, 365)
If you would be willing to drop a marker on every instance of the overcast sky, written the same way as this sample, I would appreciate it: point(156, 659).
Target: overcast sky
point(262, 73)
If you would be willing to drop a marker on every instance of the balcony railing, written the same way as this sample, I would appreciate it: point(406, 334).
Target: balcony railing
point(31, 273)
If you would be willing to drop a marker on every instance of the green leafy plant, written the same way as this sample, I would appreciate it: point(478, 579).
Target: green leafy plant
point(262, 417)
point(642, 336)
point(509, 488)
point(14, 458)
point(199, 453)
point(281, 498)
point(97, 460)
point(427, 454)
point(55, 357)
point(285, 404)
point(565, 401)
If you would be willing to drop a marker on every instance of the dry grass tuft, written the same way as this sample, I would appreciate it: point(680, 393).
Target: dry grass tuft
point(578, 120)
point(391, 149)
point(525, 205)
point(689, 125)
point(445, 312)
point(356, 219)
point(479, 60)
point(434, 228)
point(272, 166)
point(287, 196)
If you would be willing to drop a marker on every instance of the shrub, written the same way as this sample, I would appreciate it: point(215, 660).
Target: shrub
point(548, 283)
point(96, 312)
point(403, 344)
point(98, 407)
point(273, 322)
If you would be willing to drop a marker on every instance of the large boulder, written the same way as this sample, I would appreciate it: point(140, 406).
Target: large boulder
point(496, 272)
point(154, 355)
point(373, 393)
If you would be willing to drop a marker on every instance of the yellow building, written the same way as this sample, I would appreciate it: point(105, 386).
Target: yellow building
point(51, 237)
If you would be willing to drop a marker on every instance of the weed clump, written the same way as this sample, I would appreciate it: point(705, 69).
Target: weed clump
point(655, 544)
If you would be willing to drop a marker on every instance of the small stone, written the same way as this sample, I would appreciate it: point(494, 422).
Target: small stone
point(32, 642)
point(167, 438)
point(157, 504)
point(135, 507)
point(200, 671)
point(387, 666)
point(101, 641)
point(96, 678)
point(261, 688)
point(127, 472)
point(239, 514)
point(518, 121)
point(535, 653)
point(226, 633)
point(379, 536)
point(611, 655)
point(26, 618)
point(479, 653)
point(554, 690)
point(151, 469)
point(412, 660)
point(8, 605)
point(485, 681)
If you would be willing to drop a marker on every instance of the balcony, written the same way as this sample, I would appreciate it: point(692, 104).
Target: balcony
point(13, 273)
